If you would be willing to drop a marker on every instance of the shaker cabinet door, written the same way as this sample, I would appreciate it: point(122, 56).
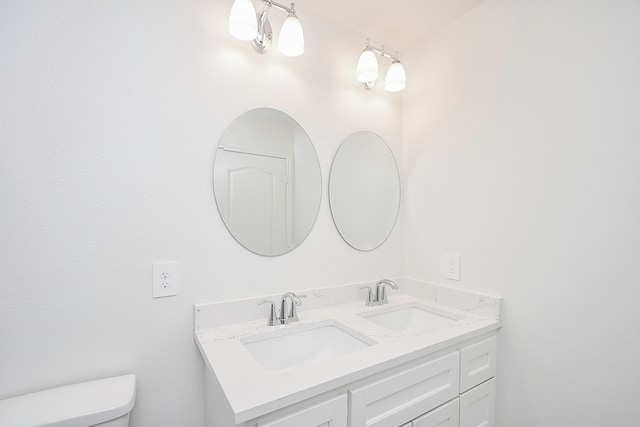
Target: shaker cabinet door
point(477, 363)
point(330, 413)
point(477, 407)
point(447, 415)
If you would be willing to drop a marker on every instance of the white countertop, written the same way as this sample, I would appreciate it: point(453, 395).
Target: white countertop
point(252, 391)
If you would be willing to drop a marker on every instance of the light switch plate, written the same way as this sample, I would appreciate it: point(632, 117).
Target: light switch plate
point(165, 279)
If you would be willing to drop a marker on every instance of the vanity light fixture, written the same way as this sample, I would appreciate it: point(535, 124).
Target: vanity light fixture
point(367, 69)
point(244, 24)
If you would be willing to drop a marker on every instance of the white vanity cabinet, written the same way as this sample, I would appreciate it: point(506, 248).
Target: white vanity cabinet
point(460, 386)
point(451, 388)
point(475, 405)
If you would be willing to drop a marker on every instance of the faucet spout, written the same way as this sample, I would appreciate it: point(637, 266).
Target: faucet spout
point(381, 292)
point(289, 314)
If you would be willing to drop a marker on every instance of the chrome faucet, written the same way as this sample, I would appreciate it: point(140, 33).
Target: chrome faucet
point(380, 296)
point(287, 315)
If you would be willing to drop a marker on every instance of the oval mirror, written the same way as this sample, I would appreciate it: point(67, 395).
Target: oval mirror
point(267, 181)
point(364, 190)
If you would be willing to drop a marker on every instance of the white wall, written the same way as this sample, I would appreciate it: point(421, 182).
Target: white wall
point(110, 115)
point(522, 153)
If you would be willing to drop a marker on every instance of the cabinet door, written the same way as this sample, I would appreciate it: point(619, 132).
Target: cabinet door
point(477, 363)
point(477, 406)
point(330, 413)
point(448, 415)
point(394, 400)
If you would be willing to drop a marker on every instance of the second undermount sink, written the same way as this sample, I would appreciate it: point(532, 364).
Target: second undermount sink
point(289, 347)
point(410, 318)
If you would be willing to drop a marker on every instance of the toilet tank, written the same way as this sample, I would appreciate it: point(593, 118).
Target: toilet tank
point(105, 402)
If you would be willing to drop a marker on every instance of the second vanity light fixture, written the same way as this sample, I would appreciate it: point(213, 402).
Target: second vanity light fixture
point(244, 24)
point(367, 70)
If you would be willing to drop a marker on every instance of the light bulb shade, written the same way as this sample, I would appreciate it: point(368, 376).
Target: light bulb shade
point(243, 23)
point(291, 40)
point(367, 70)
point(396, 79)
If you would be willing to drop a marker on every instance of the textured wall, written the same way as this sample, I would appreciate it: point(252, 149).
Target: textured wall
point(521, 153)
point(110, 115)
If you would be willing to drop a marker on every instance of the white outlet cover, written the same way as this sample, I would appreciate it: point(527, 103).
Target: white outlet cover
point(452, 266)
point(165, 279)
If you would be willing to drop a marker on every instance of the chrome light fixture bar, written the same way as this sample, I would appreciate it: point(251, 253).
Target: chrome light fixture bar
point(367, 69)
point(245, 24)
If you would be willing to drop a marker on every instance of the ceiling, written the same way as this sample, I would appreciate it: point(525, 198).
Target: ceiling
point(398, 24)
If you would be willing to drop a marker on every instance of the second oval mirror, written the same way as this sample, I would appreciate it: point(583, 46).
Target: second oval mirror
point(267, 182)
point(364, 190)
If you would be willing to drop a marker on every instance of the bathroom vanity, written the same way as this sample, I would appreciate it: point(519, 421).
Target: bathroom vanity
point(425, 359)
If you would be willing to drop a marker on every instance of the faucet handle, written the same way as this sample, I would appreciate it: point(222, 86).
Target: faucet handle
point(272, 320)
point(370, 297)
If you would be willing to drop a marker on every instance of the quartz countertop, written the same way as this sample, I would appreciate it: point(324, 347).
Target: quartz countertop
point(253, 391)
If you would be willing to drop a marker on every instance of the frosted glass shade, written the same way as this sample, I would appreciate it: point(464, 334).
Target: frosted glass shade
point(367, 70)
point(396, 79)
point(291, 40)
point(243, 23)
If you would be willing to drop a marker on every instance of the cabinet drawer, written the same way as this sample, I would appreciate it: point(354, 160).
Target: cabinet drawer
point(330, 413)
point(401, 397)
point(448, 415)
point(477, 406)
point(477, 363)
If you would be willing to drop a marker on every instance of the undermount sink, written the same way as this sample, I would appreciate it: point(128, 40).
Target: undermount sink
point(410, 318)
point(294, 346)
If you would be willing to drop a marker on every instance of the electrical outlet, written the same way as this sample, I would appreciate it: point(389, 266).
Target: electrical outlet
point(165, 279)
point(452, 266)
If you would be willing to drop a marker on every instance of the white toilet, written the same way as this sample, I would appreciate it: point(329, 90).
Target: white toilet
point(104, 403)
